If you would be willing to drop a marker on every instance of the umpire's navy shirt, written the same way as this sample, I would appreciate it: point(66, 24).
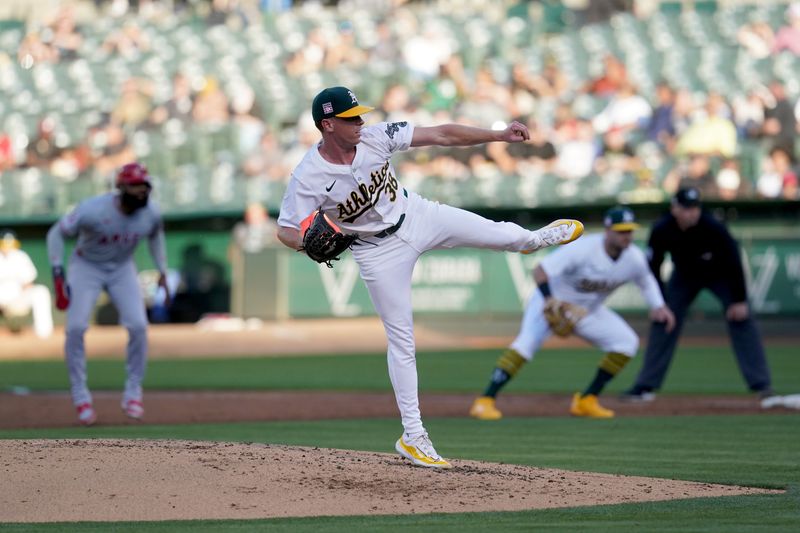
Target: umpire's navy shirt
point(703, 253)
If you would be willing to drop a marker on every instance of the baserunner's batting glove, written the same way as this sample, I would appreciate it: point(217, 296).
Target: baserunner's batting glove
point(61, 288)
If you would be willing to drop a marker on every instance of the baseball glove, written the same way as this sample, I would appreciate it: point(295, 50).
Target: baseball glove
point(322, 240)
point(562, 316)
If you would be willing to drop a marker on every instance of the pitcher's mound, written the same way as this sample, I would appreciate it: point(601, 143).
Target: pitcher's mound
point(115, 480)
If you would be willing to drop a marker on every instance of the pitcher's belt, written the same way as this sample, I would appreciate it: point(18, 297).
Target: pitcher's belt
point(393, 229)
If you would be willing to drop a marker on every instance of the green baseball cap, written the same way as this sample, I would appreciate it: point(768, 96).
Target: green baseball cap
point(620, 218)
point(337, 102)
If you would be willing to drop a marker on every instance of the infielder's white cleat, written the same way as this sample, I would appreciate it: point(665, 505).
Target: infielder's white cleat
point(420, 451)
point(86, 414)
point(561, 231)
point(133, 409)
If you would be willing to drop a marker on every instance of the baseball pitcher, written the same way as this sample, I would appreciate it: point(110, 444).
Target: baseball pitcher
point(108, 228)
point(345, 192)
point(573, 282)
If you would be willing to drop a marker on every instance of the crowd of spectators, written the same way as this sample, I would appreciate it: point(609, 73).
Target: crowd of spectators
point(660, 140)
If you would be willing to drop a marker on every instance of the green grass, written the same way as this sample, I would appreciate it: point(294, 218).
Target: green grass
point(748, 450)
point(694, 370)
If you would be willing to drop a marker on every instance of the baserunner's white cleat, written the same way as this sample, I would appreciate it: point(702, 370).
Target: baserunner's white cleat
point(133, 409)
point(420, 451)
point(86, 414)
point(561, 231)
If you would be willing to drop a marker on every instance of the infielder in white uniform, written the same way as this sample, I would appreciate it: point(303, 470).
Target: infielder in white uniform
point(108, 228)
point(18, 293)
point(583, 274)
point(350, 177)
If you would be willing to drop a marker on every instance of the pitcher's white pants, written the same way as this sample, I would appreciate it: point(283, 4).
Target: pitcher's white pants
point(386, 267)
point(601, 326)
point(86, 280)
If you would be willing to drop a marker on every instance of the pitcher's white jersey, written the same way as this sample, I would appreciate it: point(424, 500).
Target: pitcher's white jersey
point(106, 235)
point(584, 274)
point(364, 197)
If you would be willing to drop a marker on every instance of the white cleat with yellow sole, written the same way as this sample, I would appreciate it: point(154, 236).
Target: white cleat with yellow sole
point(420, 451)
point(561, 231)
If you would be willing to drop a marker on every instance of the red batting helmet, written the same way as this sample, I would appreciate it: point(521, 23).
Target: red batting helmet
point(133, 174)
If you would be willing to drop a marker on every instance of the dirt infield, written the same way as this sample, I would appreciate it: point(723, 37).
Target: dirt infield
point(55, 410)
point(135, 480)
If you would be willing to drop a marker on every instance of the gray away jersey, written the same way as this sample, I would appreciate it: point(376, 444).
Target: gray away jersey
point(107, 236)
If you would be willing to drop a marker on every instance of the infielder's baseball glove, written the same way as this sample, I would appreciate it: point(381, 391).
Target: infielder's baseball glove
point(562, 316)
point(322, 240)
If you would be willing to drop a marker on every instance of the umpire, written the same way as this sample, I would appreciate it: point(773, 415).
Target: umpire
point(705, 256)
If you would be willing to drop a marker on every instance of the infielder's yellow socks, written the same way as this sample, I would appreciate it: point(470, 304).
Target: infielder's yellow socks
point(507, 366)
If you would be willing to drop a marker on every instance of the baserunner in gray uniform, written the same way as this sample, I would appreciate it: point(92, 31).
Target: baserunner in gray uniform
point(108, 228)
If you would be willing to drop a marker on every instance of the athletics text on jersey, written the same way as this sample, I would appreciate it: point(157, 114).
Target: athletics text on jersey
point(367, 197)
point(584, 274)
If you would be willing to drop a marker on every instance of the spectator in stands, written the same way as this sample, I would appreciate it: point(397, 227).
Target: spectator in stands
point(128, 41)
point(616, 154)
point(613, 76)
point(43, 148)
point(395, 103)
point(778, 177)
point(110, 147)
point(211, 105)
point(34, 50)
point(683, 113)
point(534, 156)
point(780, 124)
point(729, 182)
point(227, 12)
point(310, 56)
point(343, 50)
point(748, 112)
point(448, 88)
point(788, 36)
point(660, 127)
point(19, 296)
point(488, 98)
point(551, 83)
point(425, 52)
point(72, 162)
point(693, 172)
point(306, 135)
point(712, 133)
point(135, 103)
point(7, 160)
point(597, 11)
point(576, 150)
point(180, 104)
point(266, 160)
point(757, 38)
point(67, 39)
point(257, 231)
point(626, 110)
point(245, 117)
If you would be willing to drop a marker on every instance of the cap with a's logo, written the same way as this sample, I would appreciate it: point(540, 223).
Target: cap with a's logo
point(620, 218)
point(687, 197)
point(337, 102)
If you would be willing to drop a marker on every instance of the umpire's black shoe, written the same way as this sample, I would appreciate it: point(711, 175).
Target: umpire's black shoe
point(637, 395)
